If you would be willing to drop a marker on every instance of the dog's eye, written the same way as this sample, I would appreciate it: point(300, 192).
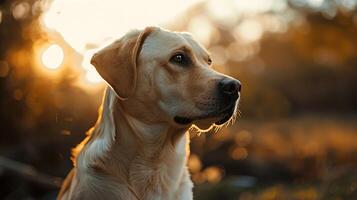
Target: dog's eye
point(180, 59)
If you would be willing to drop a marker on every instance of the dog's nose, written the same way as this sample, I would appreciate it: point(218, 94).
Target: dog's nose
point(229, 88)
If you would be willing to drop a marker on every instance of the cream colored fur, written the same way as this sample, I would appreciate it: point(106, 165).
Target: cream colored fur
point(136, 150)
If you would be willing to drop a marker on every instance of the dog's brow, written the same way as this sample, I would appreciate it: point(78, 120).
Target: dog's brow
point(184, 49)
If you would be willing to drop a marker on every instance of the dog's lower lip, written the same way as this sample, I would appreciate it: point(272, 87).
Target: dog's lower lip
point(227, 112)
point(227, 116)
point(222, 121)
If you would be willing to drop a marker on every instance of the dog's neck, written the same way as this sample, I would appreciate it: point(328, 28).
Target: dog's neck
point(125, 147)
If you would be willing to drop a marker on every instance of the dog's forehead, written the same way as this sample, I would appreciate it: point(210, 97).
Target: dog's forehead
point(162, 42)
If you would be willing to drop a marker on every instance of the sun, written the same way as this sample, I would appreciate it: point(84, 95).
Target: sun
point(52, 57)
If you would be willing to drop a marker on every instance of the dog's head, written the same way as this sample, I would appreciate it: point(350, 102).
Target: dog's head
point(164, 76)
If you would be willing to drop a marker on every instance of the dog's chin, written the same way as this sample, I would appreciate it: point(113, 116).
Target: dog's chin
point(209, 123)
point(206, 121)
point(205, 124)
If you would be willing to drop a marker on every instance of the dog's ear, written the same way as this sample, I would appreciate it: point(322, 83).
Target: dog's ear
point(117, 62)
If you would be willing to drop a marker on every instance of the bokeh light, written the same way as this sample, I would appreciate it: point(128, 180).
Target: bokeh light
point(249, 30)
point(21, 10)
point(213, 174)
point(194, 163)
point(52, 57)
point(239, 153)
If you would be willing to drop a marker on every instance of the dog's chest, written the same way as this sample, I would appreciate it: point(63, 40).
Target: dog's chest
point(162, 178)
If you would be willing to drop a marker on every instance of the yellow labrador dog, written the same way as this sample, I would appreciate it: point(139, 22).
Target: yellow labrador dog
point(161, 84)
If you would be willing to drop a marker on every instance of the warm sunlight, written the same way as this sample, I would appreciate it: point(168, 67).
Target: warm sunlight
point(87, 25)
point(98, 23)
point(294, 133)
point(91, 74)
point(52, 57)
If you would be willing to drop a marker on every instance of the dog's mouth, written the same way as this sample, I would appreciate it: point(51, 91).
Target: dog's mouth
point(183, 120)
point(225, 115)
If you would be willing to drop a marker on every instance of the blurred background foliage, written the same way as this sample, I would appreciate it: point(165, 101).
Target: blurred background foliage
point(295, 139)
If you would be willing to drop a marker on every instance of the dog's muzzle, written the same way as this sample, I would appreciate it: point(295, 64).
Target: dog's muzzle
point(228, 92)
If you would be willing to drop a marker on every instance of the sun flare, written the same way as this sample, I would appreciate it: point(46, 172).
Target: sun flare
point(52, 57)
